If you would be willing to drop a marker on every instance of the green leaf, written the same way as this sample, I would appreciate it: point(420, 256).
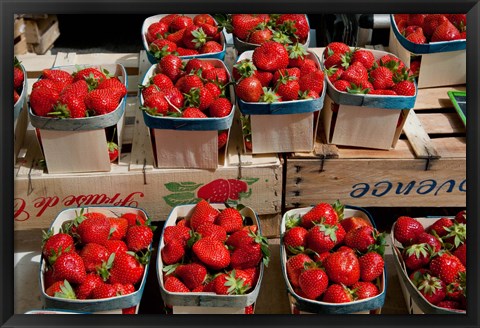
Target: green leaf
point(182, 186)
point(243, 195)
point(182, 198)
point(250, 181)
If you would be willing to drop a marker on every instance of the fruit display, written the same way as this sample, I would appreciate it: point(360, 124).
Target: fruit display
point(96, 259)
point(192, 93)
point(332, 259)
point(430, 257)
point(360, 71)
point(187, 36)
point(78, 92)
point(211, 255)
point(430, 28)
point(252, 30)
point(18, 80)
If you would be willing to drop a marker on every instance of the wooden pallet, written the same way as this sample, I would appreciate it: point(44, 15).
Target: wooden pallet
point(427, 167)
point(41, 33)
point(19, 39)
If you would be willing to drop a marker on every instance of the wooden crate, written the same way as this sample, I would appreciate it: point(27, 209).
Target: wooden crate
point(19, 39)
point(427, 167)
point(41, 33)
point(134, 181)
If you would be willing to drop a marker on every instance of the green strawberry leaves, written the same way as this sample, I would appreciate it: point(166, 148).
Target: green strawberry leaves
point(182, 186)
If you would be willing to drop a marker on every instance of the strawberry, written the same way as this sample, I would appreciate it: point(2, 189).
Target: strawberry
point(93, 229)
point(415, 68)
point(418, 275)
point(103, 101)
point(172, 252)
point(295, 239)
point(342, 85)
point(214, 89)
point(417, 37)
point(461, 254)
point(177, 232)
point(162, 81)
point(364, 57)
point(119, 227)
point(429, 239)
point(161, 47)
point(312, 81)
point(363, 290)
point(417, 256)
point(361, 238)
point(199, 97)
point(63, 78)
point(84, 290)
point(230, 219)
point(440, 227)
point(355, 73)
point(18, 76)
point(310, 94)
point(216, 191)
point(336, 61)
point(70, 266)
point(456, 235)
point(175, 98)
point(42, 100)
point(175, 285)
point(353, 222)
point(336, 47)
point(404, 88)
point(194, 37)
point(432, 288)
point(343, 268)
point(461, 217)
point(192, 275)
point(323, 237)
point(203, 212)
point(229, 284)
point(416, 19)
point(297, 22)
point(210, 47)
point(381, 78)
point(243, 24)
point(431, 22)
point(270, 56)
point(220, 107)
point(104, 291)
point(113, 83)
point(212, 253)
point(193, 65)
point(322, 212)
point(156, 104)
point(333, 73)
point(260, 34)
point(249, 89)
point(246, 256)
point(313, 282)
point(338, 294)
point(70, 105)
point(180, 22)
point(264, 77)
point(457, 290)
point(126, 269)
point(288, 87)
point(213, 231)
point(222, 138)
point(61, 289)
point(239, 238)
point(249, 276)
point(157, 30)
point(459, 20)
point(167, 19)
point(451, 305)
point(139, 237)
point(124, 289)
point(204, 19)
point(445, 32)
point(382, 92)
point(406, 230)
point(371, 266)
point(171, 66)
point(133, 218)
point(150, 90)
point(54, 245)
point(295, 266)
point(93, 255)
point(115, 246)
point(447, 267)
point(16, 96)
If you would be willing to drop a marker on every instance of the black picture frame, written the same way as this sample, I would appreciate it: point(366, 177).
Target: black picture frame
point(10, 7)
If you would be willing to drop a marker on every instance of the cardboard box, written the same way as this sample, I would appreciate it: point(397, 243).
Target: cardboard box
point(205, 303)
point(112, 305)
point(191, 142)
point(311, 306)
point(442, 63)
point(281, 127)
point(153, 19)
point(74, 145)
point(416, 303)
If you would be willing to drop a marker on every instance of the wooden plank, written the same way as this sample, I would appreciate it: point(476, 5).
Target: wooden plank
point(419, 139)
point(441, 123)
point(380, 183)
point(403, 150)
point(20, 46)
point(435, 97)
point(48, 32)
point(65, 59)
point(18, 27)
point(454, 147)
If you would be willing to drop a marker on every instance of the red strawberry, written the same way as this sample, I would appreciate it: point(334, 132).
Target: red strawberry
point(243, 24)
point(229, 284)
point(133, 218)
point(310, 94)
point(115, 246)
point(459, 20)
point(61, 289)
point(288, 88)
point(16, 96)
point(94, 229)
point(230, 219)
point(172, 252)
point(312, 81)
point(162, 81)
point(295, 239)
point(213, 231)
point(171, 66)
point(63, 78)
point(323, 237)
point(70, 266)
point(322, 212)
point(93, 255)
point(406, 230)
point(382, 92)
point(112, 151)
point(126, 269)
point(239, 238)
point(364, 290)
point(295, 266)
point(188, 82)
point(461, 217)
point(338, 294)
point(202, 213)
point(176, 37)
point(103, 101)
point(192, 275)
point(355, 73)
point(139, 237)
point(150, 90)
point(440, 226)
point(193, 65)
point(118, 226)
point(220, 107)
point(451, 305)
point(194, 37)
point(313, 282)
point(417, 256)
point(361, 238)
point(199, 97)
point(222, 139)
point(270, 56)
point(432, 288)
point(124, 289)
point(174, 285)
point(405, 88)
point(70, 105)
point(364, 57)
point(210, 47)
point(42, 100)
point(212, 253)
point(415, 68)
point(371, 266)
point(342, 85)
point(180, 22)
point(417, 38)
point(352, 223)
point(416, 19)
point(418, 275)
point(54, 245)
point(249, 89)
point(114, 83)
point(429, 239)
point(457, 290)
point(84, 290)
point(214, 89)
point(175, 98)
point(156, 104)
point(49, 278)
point(298, 22)
point(236, 188)
point(461, 254)
point(92, 75)
point(336, 47)
point(260, 34)
point(336, 61)
point(177, 232)
point(334, 73)
point(104, 291)
point(343, 268)
point(447, 267)
point(216, 191)
point(186, 52)
point(246, 256)
point(157, 30)
point(264, 77)
point(382, 78)
point(18, 77)
point(204, 19)
point(445, 32)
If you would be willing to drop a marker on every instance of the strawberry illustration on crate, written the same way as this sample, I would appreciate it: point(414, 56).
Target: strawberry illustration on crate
point(217, 191)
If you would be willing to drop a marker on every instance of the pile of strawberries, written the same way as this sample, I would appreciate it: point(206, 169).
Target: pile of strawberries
point(435, 258)
point(184, 36)
point(356, 71)
point(18, 78)
point(260, 28)
point(213, 251)
point(84, 93)
point(278, 72)
point(426, 28)
point(94, 256)
point(191, 89)
point(333, 259)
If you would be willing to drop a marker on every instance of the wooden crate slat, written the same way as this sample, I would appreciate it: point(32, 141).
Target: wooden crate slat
point(441, 123)
point(435, 97)
point(454, 147)
point(419, 139)
point(65, 59)
point(403, 150)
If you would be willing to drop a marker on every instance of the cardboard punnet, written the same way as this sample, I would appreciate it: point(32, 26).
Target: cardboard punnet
point(77, 145)
point(442, 63)
point(281, 127)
